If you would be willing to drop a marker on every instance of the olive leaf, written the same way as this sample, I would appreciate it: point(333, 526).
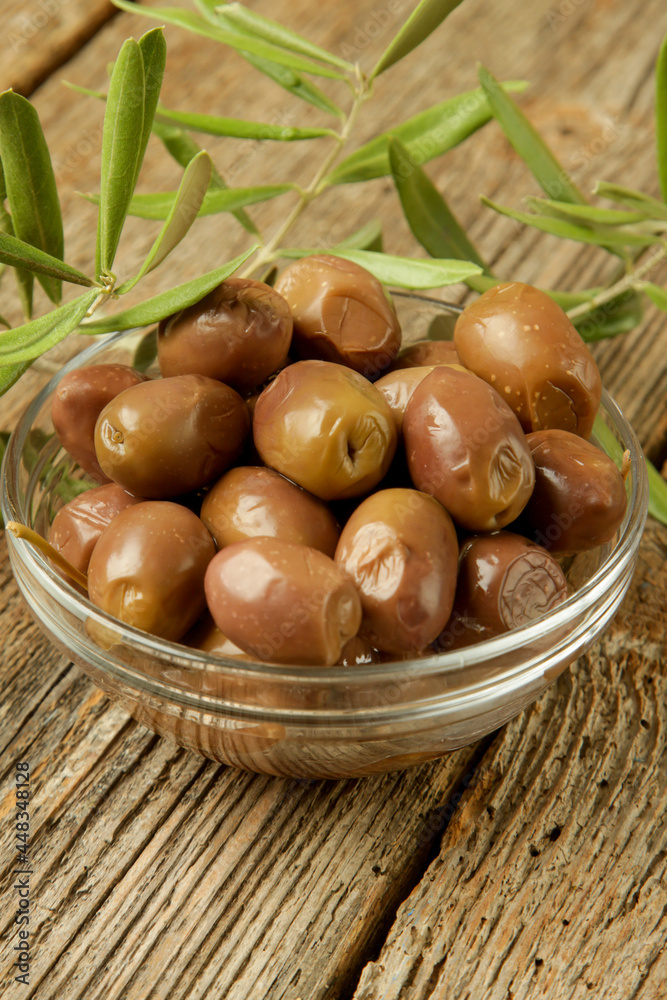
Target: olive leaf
point(661, 116)
point(429, 217)
point(239, 128)
point(241, 18)
point(294, 83)
point(17, 253)
point(619, 315)
point(426, 17)
point(30, 186)
point(405, 272)
point(657, 487)
point(589, 215)
point(570, 231)
point(146, 352)
point(159, 204)
point(632, 198)
point(183, 213)
point(428, 134)
point(238, 40)
point(154, 54)
point(369, 237)
point(545, 168)
point(183, 148)
point(166, 303)
point(657, 295)
point(25, 280)
point(26, 342)
point(10, 374)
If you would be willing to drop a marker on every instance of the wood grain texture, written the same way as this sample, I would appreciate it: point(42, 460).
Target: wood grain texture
point(529, 866)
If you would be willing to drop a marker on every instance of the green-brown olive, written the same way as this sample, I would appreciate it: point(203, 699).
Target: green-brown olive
point(250, 501)
point(282, 602)
point(77, 526)
point(400, 549)
point(397, 387)
point(466, 448)
point(423, 353)
point(579, 498)
point(504, 581)
point(341, 314)
point(239, 333)
point(170, 436)
point(326, 428)
point(148, 568)
point(521, 342)
point(77, 403)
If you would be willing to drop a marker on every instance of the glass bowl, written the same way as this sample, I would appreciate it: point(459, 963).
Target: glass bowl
point(319, 722)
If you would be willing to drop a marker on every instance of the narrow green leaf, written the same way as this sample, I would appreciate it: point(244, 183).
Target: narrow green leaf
point(159, 204)
point(183, 148)
point(30, 183)
point(427, 135)
point(657, 487)
point(10, 374)
point(16, 253)
point(238, 127)
point(183, 213)
point(369, 237)
point(86, 91)
point(155, 309)
point(547, 171)
point(570, 231)
point(146, 352)
point(426, 211)
point(294, 84)
point(632, 198)
point(588, 214)
point(657, 295)
point(154, 54)
point(241, 18)
point(236, 39)
point(121, 140)
point(405, 272)
point(661, 116)
point(27, 342)
point(426, 17)
point(25, 280)
point(620, 315)
point(5, 323)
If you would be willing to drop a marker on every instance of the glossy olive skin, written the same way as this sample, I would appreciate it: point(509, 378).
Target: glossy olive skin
point(250, 501)
point(239, 333)
point(77, 526)
point(397, 387)
point(579, 498)
point(77, 403)
point(400, 549)
point(520, 341)
point(207, 636)
point(282, 602)
point(148, 568)
point(505, 581)
point(341, 314)
point(427, 352)
point(171, 436)
point(326, 428)
point(466, 448)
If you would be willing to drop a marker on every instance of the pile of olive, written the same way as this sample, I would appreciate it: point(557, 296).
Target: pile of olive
point(347, 506)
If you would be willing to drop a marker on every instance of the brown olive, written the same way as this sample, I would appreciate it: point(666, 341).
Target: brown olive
point(504, 581)
point(239, 333)
point(282, 602)
point(148, 568)
point(400, 549)
point(427, 352)
point(326, 428)
point(341, 314)
point(579, 498)
point(466, 448)
point(170, 436)
point(397, 388)
point(521, 342)
point(78, 401)
point(251, 501)
point(358, 651)
point(77, 526)
point(207, 636)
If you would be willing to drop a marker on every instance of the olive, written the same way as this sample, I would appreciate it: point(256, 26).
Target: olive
point(282, 602)
point(77, 526)
point(579, 498)
point(80, 397)
point(170, 436)
point(427, 352)
point(400, 549)
point(520, 341)
point(249, 501)
point(358, 651)
point(239, 333)
point(504, 581)
point(326, 428)
point(207, 636)
point(466, 448)
point(148, 568)
point(397, 387)
point(341, 314)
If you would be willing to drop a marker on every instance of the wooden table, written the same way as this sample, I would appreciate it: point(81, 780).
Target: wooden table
point(533, 864)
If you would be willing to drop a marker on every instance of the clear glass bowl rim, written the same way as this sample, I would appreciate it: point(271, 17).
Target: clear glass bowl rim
point(454, 663)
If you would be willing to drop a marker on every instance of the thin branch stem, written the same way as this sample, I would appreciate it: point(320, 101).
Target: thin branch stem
point(632, 280)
